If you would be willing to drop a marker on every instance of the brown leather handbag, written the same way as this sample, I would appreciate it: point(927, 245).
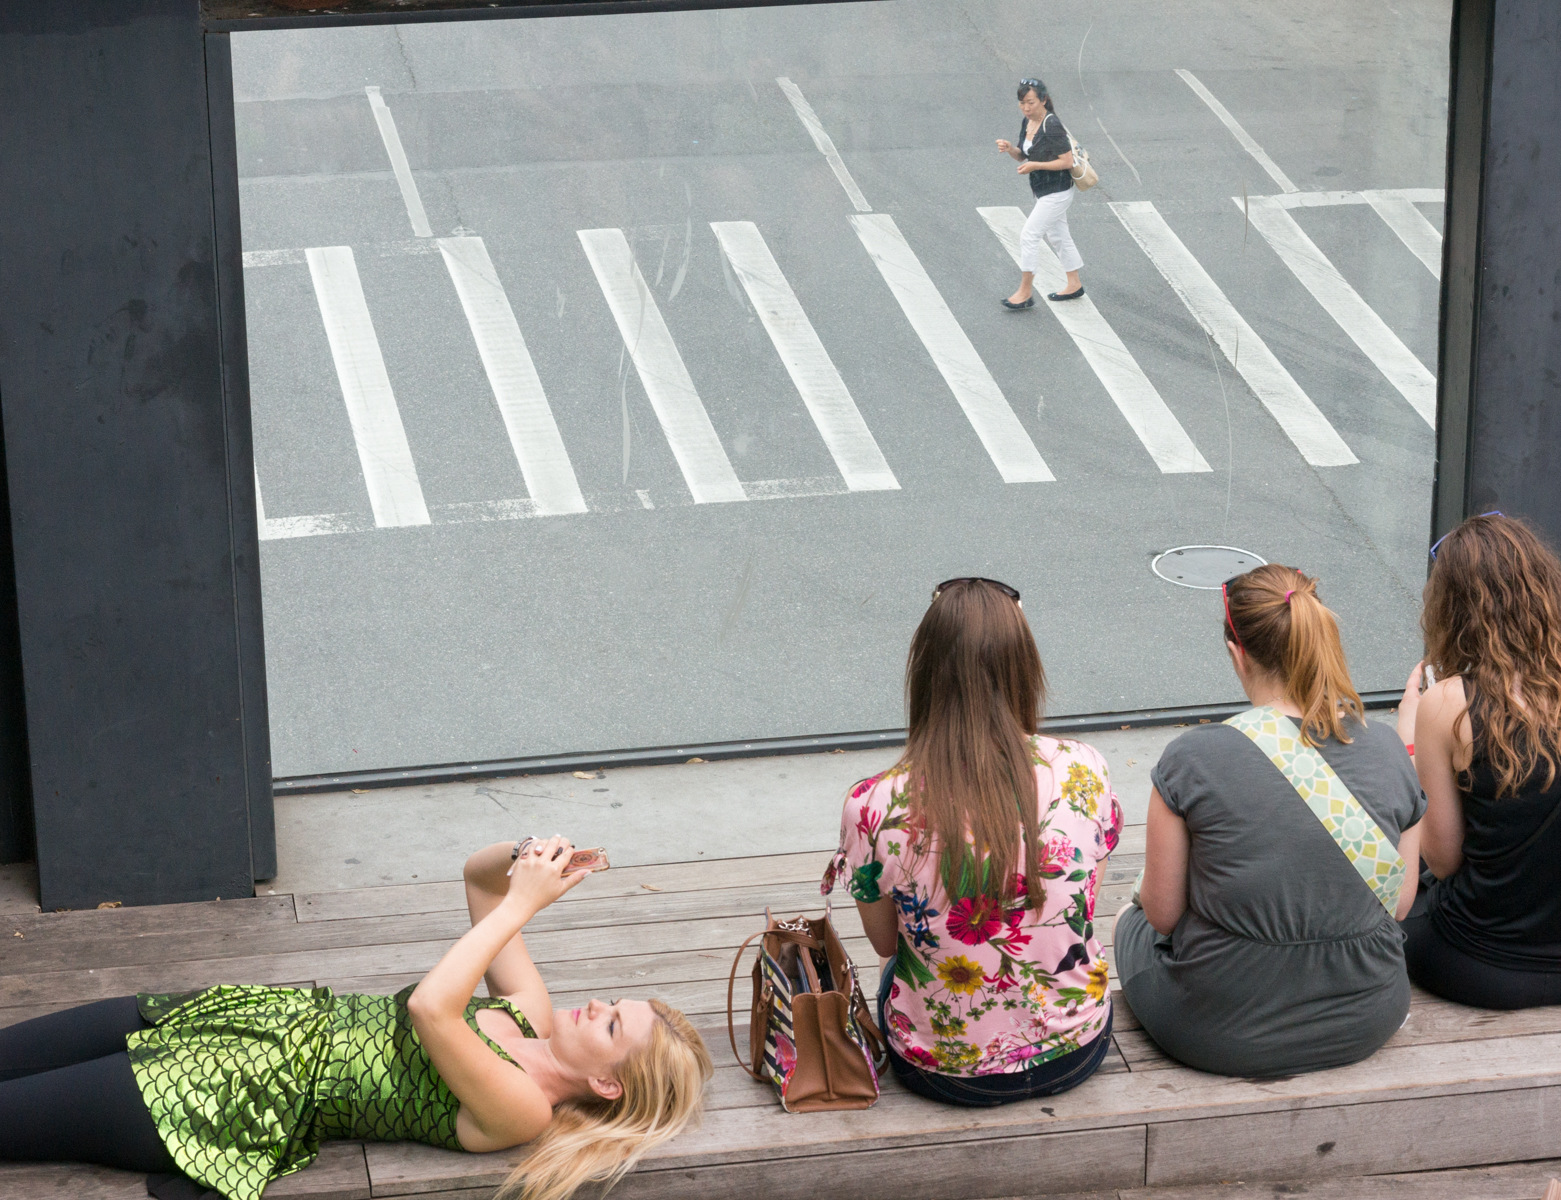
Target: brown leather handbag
point(811, 1033)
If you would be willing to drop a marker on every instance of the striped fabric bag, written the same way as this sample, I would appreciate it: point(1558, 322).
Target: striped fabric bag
point(810, 1033)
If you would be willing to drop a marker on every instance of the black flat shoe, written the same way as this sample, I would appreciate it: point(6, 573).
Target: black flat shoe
point(1012, 307)
point(1066, 296)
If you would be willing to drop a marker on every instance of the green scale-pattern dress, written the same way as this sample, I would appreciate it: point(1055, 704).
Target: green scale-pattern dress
point(244, 1083)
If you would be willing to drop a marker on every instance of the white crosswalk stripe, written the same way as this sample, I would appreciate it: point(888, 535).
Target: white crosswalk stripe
point(1302, 422)
point(828, 400)
point(1011, 450)
point(390, 475)
point(533, 433)
point(1417, 233)
point(1124, 380)
point(394, 492)
point(1344, 304)
point(666, 380)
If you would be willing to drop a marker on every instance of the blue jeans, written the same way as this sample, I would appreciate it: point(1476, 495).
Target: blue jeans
point(988, 1091)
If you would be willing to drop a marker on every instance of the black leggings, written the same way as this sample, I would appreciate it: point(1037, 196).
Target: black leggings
point(67, 1093)
point(1445, 970)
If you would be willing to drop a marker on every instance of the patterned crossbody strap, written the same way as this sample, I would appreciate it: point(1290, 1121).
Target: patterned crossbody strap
point(1374, 858)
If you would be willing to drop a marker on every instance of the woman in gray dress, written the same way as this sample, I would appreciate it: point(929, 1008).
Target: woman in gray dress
point(1262, 941)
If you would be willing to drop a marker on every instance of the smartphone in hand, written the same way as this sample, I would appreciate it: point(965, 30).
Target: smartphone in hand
point(587, 860)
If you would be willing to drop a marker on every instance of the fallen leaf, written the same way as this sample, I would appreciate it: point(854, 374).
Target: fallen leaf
point(650, 887)
point(1127, 727)
point(694, 760)
point(359, 791)
point(18, 933)
point(589, 774)
point(832, 752)
point(1132, 762)
point(1203, 720)
point(110, 904)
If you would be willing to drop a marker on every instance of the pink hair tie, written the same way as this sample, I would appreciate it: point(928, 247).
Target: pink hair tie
point(1288, 594)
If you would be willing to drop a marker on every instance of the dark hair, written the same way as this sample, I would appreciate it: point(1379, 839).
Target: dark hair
point(1493, 616)
point(1276, 616)
point(1027, 86)
point(974, 686)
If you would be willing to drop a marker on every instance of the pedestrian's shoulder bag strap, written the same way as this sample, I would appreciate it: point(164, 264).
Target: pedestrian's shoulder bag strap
point(1371, 854)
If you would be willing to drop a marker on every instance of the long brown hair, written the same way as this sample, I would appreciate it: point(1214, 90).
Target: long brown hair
point(1275, 615)
point(1493, 615)
point(599, 1141)
point(974, 686)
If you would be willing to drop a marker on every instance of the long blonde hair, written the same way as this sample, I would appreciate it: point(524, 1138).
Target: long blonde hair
point(1274, 614)
point(600, 1141)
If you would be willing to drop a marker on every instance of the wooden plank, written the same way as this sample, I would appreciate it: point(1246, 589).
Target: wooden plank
point(69, 1181)
point(1039, 1164)
point(699, 875)
point(340, 1173)
point(1105, 1101)
point(1417, 1134)
point(91, 926)
point(1114, 1157)
point(1432, 1019)
point(1515, 1181)
point(702, 937)
point(602, 916)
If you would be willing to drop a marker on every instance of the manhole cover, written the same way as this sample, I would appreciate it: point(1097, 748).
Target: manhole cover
point(1203, 566)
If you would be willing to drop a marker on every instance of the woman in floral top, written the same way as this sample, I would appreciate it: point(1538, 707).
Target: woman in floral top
point(997, 989)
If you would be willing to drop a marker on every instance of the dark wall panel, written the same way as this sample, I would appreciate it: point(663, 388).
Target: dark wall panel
point(121, 456)
point(1515, 434)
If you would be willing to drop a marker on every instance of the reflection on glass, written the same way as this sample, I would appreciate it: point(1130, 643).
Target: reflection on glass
point(629, 380)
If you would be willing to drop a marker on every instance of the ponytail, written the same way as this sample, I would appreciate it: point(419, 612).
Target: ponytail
point(1275, 615)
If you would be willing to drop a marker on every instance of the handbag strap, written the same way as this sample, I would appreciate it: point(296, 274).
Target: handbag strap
point(731, 985)
point(781, 934)
point(1352, 828)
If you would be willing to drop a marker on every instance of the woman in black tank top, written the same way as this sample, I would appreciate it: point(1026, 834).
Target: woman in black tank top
point(1487, 749)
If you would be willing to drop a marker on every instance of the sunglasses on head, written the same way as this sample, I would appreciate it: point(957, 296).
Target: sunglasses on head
point(1011, 593)
point(1040, 88)
point(1493, 513)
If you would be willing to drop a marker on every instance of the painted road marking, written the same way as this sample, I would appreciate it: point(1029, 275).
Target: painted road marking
point(662, 372)
point(1344, 304)
point(533, 433)
point(839, 422)
point(1135, 397)
point(1248, 143)
point(1317, 440)
point(1005, 439)
point(388, 470)
point(398, 163)
point(824, 142)
point(1404, 219)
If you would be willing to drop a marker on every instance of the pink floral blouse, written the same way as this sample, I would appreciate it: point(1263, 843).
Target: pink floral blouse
point(979, 990)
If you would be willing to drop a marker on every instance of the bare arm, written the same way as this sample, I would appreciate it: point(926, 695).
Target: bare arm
point(882, 925)
point(1443, 746)
point(1010, 149)
point(511, 974)
point(1163, 896)
point(500, 1106)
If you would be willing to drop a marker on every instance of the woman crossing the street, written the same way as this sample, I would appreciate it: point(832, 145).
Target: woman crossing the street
point(1044, 153)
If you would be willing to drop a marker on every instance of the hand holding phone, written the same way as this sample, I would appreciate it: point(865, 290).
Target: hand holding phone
point(579, 860)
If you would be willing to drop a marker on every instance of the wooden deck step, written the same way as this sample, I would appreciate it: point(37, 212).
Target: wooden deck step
point(1458, 1098)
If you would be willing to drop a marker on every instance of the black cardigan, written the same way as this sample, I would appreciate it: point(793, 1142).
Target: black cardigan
point(1051, 141)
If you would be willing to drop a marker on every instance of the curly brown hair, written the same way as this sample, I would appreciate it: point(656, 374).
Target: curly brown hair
point(1493, 616)
point(1275, 615)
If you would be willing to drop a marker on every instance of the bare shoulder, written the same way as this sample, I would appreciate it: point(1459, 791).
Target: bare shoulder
point(1444, 702)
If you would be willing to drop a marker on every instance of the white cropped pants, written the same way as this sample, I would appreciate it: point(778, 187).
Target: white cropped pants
point(1049, 220)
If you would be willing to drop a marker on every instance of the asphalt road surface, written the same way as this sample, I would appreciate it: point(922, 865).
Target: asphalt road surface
point(630, 380)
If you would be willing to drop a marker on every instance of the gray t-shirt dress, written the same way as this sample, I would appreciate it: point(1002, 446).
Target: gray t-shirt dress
point(1284, 961)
